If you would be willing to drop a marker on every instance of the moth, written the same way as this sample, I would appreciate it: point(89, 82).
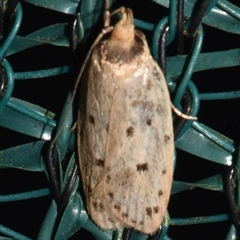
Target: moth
point(125, 134)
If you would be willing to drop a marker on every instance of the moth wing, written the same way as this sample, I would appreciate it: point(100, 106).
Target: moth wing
point(93, 124)
point(136, 180)
point(95, 102)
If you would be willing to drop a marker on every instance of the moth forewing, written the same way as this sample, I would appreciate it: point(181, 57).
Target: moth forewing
point(125, 135)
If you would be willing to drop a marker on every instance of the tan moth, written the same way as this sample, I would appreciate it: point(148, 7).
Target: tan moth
point(125, 134)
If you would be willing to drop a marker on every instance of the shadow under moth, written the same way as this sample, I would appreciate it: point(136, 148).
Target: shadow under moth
point(125, 133)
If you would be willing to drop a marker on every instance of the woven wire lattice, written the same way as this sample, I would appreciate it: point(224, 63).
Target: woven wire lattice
point(42, 46)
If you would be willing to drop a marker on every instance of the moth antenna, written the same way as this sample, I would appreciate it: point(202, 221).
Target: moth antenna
point(107, 15)
point(107, 5)
point(107, 28)
point(180, 114)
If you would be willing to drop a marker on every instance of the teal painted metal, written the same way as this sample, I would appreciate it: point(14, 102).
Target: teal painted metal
point(206, 61)
point(13, 32)
point(190, 68)
point(25, 195)
point(8, 93)
point(68, 7)
point(232, 233)
point(13, 234)
point(200, 220)
point(213, 183)
point(217, 17)
point(172, 21)
point(229, 8)
point(30, 119)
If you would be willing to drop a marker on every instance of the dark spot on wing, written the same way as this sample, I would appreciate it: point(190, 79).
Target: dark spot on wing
point(117, 207)
point(124, 182)
point(142, 167)
point(124, 215)
point(108, 179)
point(156, 209)
point(91, 119)
point(149, 211)
point(164, 171)
point(149, 122)
point(149, 85)
point(98, 207)
point(160, 193)
point(144, 105)
point(130, 131)
point(111, 219)
point(166, 139)
point(133, 221)
point(95, 205)
point(111, 195)
point(99, 162)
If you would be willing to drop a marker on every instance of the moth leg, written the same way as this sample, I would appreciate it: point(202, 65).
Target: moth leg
point(74, 126)
point(180, 114)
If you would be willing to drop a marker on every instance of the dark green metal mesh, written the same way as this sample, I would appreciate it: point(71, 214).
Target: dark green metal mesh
point(37, 76)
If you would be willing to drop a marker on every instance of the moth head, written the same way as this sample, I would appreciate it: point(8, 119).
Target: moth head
point(124, 43)
point(124, 29)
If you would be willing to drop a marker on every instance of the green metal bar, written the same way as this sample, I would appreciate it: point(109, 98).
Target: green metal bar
point(199, 220)
point(13, 33)
point(43, 73)
point(225, 143)
point(172, 21)
point(219, 96)
point(166, 238)
point(143, 25)
point(46, 231)
point(24, 195)
point(213, 183)
point(10, 85)
point(30, 113)
point(229, 8)
point(211, 6)
point(10, 233)
point(155, 51)
point(63, 131)
point(165, 227)
point(53, 34)
point(156, 36)
point(232, 234)
point(217, 18)
point(190, 68)
point(97, 232)
point(67, 6)
point(206, 61)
